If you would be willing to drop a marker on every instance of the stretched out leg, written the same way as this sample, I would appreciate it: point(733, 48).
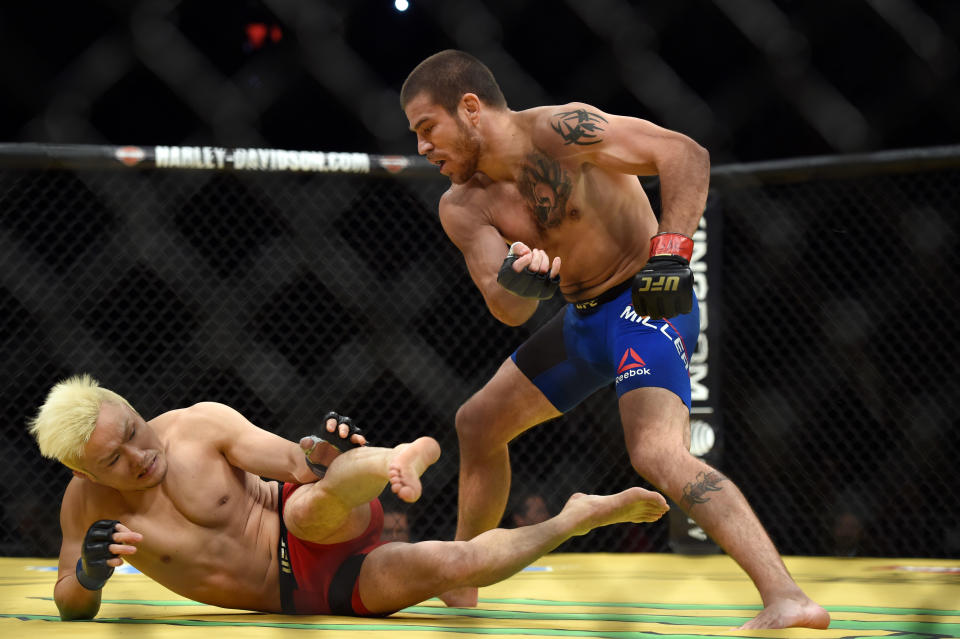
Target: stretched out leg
point(398, 575)
point(505, 407)
point(657, 429)
point(335, 508)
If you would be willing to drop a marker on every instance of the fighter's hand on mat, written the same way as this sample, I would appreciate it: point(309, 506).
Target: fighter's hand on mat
point(100, 552)
point(529, 272)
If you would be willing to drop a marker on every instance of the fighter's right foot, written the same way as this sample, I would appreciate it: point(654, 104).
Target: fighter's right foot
point(788, 612)
point(634, 505)
point(409, 462)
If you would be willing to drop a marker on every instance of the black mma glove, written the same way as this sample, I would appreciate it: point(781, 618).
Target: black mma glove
point(526, 283)
point(92, 568)
point(664, 286)
point(340, 443)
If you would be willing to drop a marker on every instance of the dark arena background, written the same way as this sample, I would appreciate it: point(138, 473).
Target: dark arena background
point(827, 371)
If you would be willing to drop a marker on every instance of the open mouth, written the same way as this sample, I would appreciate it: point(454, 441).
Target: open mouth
point(149, 468)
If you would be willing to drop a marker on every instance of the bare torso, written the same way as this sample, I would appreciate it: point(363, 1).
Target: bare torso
point(599, 222)
point(210, 530)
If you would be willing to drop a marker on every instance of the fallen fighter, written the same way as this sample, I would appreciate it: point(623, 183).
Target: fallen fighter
point(181, 498)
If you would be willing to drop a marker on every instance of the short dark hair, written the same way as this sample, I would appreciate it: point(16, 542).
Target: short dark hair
point(446, 76)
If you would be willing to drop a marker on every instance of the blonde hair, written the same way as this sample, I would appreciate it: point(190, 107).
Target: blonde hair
point(66, 420)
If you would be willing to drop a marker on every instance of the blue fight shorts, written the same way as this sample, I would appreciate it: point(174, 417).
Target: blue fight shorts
point(591, 343)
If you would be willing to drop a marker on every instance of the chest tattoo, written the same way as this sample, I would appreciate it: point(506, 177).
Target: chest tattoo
point(546, 188)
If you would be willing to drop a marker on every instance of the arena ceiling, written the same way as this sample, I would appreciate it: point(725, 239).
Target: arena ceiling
point(749, 79)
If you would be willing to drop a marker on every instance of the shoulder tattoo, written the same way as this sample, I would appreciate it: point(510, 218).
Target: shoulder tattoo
point(546, 187)
point(579, 127)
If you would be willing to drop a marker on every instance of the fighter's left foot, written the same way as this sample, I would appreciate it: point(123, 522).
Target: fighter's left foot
point(790, 612)
point(409, 462)
point(635, 505)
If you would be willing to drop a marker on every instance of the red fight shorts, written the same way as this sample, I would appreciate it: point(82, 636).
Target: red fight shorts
point(320, 579)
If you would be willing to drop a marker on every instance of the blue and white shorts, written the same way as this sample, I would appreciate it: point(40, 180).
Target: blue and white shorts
point(589, 344)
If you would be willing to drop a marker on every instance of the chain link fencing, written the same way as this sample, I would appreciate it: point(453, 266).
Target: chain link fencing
point(289, 294)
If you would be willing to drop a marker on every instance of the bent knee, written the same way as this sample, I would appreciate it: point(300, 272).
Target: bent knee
point(476, 425)
point(460, 564)
point(314, 514)
point(661, 463)
point(469, 415)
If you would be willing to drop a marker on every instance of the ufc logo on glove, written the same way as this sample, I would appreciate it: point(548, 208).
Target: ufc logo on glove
point(662, 283)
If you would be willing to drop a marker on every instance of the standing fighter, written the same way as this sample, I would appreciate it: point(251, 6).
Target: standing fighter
point(560, 182)
point(182, 499)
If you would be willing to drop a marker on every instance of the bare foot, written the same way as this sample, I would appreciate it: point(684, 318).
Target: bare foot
point(409, 462)
point(583, 513)
point(461, 597)
point(634, 505)
point(789, 612)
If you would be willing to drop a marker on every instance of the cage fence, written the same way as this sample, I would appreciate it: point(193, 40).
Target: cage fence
point(288, 294)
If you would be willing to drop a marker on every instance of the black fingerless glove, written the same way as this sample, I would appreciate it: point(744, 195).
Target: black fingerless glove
point(526, 283)
point(342, 444)
point(664, 286)
point(92, 568)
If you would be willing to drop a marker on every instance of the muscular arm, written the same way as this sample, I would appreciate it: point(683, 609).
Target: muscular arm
point(484, 250)
point(251, 448)
point(635, 147)
point(73, 600)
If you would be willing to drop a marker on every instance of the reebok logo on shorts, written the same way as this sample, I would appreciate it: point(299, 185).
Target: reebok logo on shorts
point(631, 365)
point(630, 360)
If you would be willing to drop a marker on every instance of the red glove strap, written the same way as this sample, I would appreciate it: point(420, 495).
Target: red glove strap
point(671, 244)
